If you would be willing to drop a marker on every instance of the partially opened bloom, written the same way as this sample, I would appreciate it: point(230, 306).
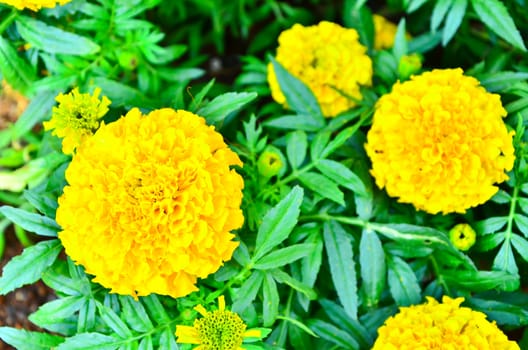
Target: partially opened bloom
point(329, 59)
point(150, 203)
point(77, 117)
point(34, 5)
point(438, 141)
point(441, 326)
point(384, 32)
point(217, 330)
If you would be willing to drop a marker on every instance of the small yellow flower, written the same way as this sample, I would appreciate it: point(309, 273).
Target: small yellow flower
point(269, 163)
point(217, 330)
point(34, 5)
point(438, 141)
point(441, 326)
point(77, 117)
point(329, 59)
point(462, 236)
point(151, 202)
point(384, 32)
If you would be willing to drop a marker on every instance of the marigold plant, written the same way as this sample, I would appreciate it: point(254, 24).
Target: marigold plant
point(150, 203)
point(441, 326)
point(34, 5)
point(329, 59)
point(439, 142)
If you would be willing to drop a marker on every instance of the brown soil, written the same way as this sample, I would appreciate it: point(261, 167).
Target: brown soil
point(16, 306)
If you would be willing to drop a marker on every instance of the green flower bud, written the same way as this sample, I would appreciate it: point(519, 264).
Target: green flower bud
point(462, 236)
point(409, 65)
point(269, 163)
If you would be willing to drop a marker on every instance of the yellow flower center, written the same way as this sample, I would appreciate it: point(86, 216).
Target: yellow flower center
point(220, 330)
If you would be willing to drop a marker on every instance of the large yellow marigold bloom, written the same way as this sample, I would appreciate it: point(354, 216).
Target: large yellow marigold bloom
point(329, 59)
point(217, 330)
point(34, 5)
point(441, 326)
point(438, 141)
point(150, 203)
point(77, 117)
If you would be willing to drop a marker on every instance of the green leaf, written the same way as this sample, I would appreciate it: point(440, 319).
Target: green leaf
point(453, 20)
point(198, 99)
point(146, 343)
point(359, 17)
point(338, 315)
point(340, 253)
point(38, 110)
point(439, 12)
point(311, 264)
point(501, 312)
point(278, 222)
point(298, 96)
point(400, 42)
point(121, 94)
point(521, 245)
point(341, 175)
point(495, 15)
point(522, 223)
point(39, 224)
point(283, 256)
point(323, 186)
point(111, 318)
point(479, 281)
point(29, 266)
point(16, 71)
point(54, 311)
point(44, 202)
point(90, 341)
point(333, 334)
point(339, 140)
point(490, 225)
point(248, 291)
point(296, 147)
point(373, 267)
point(54, 40)
point(270, 303)
point(505, 261)
point(406, 234)
point(221, 106)
point(135, 314)
point(167, 341)
point(295, 122)
point(403, 284)
point(24, 340)
point(490, 241)
point(155, 309)
point(501, 81)
point(282, 277)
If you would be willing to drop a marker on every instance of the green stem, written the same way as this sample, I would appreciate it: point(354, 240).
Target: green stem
point(439, 276)
point(22, 236)
point(511, 214)
point(8, 20)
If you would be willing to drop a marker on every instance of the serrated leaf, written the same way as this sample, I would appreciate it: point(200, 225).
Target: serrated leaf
point(270, 302)
point(54, 40)
point(521, 245)
point(248, 291)
point(323, 186)
point(439, 12)
point(221, 106)
point(155, 309)
point(39, 224)
point(522, 223)
point(478, 281)
point(278, 223)
point(296, 147)
point(282, 277)
point(21, 339)
point(298, 96)
point(135, 314)
point(54, 311)
point(495, 15)
point(403, 284)
point(490, 225)
point(339, 250)
point(43, 202)
point(490, 241)
point(333, 334)
point(339, 140)
point(198, 99)
point(112, 319)
point(341, 175)
point(29, 266)
point(16, 71)
point(504, 260)
point(453, 20)
point(90, 341)
point(373, 267)
point(283, 256)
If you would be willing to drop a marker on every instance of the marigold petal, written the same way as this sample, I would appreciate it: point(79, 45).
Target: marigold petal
point(187, 335)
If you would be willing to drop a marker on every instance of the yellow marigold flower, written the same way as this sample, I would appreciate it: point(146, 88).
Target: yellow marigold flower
point(217, 330)
point(77, 117)
point(438, 141)
point(462, 236)
point(150, 203)
point(441, 326)
point(329, 59)
point(34, 5)
point(384, 32)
